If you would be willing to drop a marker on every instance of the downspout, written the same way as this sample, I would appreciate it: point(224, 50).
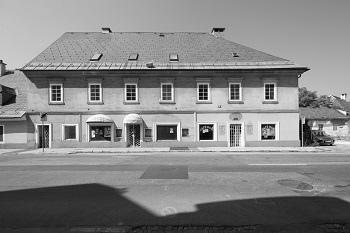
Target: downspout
point(195, 126)
point(80, 128)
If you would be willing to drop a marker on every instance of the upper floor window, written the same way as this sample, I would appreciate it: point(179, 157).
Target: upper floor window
point(56, 93)
point(270, 92)
point(95, 92)
point(235, 92)
point(131, 92)
point(167, 92)
point(203, 92)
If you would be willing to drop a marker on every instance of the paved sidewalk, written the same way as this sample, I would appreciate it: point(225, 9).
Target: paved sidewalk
point(162, 150)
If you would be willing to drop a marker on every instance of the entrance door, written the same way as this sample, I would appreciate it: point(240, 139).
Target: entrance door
point(133, 135)
point(46, 136)
point(235, 135)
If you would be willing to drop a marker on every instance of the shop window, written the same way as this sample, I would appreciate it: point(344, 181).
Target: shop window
point(70, 132)
point(269, 131)
point(206, 132)
point(119, 133)
point(1, 133)
point(148, 133)
point(166, 132)
point(56, 93)
point(100, 133)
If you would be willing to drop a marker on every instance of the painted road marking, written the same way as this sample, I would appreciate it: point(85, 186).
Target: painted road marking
point(298, 164)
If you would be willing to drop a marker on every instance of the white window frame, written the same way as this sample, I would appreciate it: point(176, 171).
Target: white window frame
point(215, 131)
point(230, 91)
point(274, 90)
point(89, 90)
point(3, 134)
point(50, 92)
point(178, 136)
point(137, 93)
point(76, 132)
point(172, 92)
point(209, 91)
point(277, 130)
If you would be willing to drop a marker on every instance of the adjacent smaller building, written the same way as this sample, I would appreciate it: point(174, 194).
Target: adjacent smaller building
point(332, 121)
point(13, 121)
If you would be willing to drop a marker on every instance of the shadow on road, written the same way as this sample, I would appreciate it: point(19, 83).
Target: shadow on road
point(100, 205)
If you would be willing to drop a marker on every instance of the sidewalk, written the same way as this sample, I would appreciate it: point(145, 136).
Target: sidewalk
point(162, 150)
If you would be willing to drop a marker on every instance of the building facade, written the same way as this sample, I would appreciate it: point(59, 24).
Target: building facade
point(160, 89)
point(13, 118)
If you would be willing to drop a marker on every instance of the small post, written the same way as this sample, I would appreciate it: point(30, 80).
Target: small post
point(302, 131)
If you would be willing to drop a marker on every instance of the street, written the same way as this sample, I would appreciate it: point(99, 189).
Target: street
point(254, 192)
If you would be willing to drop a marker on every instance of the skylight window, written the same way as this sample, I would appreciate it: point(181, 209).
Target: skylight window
point(173, 57)
point(235, 55)
point(96, 57)
point(133, 56)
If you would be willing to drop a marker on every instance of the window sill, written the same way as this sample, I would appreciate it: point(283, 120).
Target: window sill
point(270, 102)
point(58, 103)
point(235, 102)
point(95, 103)
point(203, 102)
point(167, 102)
point(131, 103)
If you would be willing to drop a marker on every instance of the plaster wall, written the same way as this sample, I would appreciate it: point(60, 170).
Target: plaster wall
point(15, 134)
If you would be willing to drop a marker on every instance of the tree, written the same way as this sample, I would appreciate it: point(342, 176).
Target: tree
point(310, 99)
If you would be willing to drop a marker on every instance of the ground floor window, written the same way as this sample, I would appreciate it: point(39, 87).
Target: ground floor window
point(1, 133)
point(70, 132)
point(269, 131)
point(207, 131)
point(100, 133)
point(166, 132)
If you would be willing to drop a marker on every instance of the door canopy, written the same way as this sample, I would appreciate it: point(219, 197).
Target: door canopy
point(100, 118)
point(133, 119)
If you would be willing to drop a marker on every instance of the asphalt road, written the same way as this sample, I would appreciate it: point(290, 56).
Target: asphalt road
point(268, 192)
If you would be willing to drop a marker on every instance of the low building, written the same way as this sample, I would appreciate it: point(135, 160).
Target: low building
point(332, 121)
point(13, 121)
point(106, 89)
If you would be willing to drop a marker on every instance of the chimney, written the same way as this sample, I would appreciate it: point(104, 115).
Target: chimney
point(218, 32)
point(343, 96)
point(106, 30)
point(2, 68)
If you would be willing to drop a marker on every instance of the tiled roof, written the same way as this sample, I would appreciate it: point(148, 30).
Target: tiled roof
point(73, 51)
point(343, 104)
point(16, 106)
point(321, 113)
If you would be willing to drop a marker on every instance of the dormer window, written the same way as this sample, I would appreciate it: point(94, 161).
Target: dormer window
point(96, 57)
point(173, 57)
point(133, 57)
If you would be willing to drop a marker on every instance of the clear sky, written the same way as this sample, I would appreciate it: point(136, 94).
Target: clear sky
point(314, 33)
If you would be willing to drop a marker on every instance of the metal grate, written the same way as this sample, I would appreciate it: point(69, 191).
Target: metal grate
point(133, 135)
point(235, 135)
point(46, 136)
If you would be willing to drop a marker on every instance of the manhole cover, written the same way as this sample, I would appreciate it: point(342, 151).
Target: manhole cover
point(296, 184)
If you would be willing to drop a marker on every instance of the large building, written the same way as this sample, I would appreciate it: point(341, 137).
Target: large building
point(107, 89)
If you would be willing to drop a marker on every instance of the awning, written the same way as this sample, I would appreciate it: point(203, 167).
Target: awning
point(100, 118)
point(133, 119)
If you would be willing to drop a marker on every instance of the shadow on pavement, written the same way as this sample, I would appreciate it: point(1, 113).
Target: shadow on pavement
point(100, 205)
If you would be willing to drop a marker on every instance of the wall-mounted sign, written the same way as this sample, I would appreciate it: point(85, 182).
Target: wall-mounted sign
point(235, 116)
